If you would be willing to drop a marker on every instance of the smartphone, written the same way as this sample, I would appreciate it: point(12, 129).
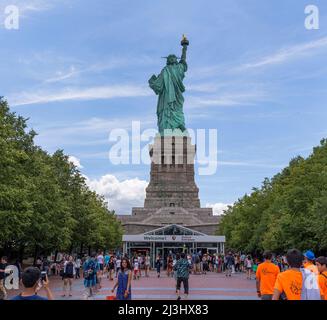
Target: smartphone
point(43, 275)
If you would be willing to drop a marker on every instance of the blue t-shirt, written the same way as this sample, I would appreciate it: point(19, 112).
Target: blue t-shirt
point(34, 297)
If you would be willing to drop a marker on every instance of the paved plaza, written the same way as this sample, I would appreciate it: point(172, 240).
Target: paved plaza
point(212, 286)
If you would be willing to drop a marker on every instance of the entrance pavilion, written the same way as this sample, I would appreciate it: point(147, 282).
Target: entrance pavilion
point(172, 239)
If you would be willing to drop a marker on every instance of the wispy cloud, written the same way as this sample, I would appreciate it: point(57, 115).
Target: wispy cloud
point(236, 98)
point(86, 133)
point(240, 164)
point(63, 75)
point(89, 67)
point(91, 93)
point(286, 54)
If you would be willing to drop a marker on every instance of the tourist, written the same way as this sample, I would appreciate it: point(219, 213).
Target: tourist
point(266, 276)
point(229, 262)
point(255, 267)
point(69, 273)
point(205, 267)
point(106, 262)
point(78, 263)
point(62, 267)
point(136, 268)
point(111, 268)
point(177, 257)
point(321, 264)
point(242, 260)
point(147, 264)
point(158, 266)
point(53, 268)
point(45, 265)
point(19, 268)
point(89, 274)
point(100, 259)
point(170, 266)
point(39, 263)
point(182, 269)
point(189, 259)
point(197, 264)
point(32, 285)
point(290, 283)
point(237, 263)
point(3, 266)
point(248, 265)
point(124, 280)
point(117, 265)
point(140, 261)
point(308, 262)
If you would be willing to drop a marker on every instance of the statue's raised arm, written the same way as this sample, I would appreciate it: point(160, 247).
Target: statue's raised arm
point(185, 43)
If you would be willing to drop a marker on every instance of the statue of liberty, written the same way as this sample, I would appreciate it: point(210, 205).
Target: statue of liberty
point(168, 85)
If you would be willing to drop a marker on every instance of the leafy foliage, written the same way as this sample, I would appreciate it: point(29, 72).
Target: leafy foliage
point(45, 204)
point(290, 210)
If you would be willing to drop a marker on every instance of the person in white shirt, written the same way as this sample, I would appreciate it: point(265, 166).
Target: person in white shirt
point(136, 269)
point(147, 264)
point(118, 265)
point(78, 263)
point(248, 265)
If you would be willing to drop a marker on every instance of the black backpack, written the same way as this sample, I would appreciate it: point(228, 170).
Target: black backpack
point(69, 269)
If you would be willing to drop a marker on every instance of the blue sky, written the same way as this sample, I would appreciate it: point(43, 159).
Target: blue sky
point(79, 69)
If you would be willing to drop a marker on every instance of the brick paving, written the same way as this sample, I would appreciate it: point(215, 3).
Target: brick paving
point(212, 286)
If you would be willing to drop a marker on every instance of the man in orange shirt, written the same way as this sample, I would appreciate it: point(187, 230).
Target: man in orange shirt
point(321, 263)
point(309, 258)
point(266, 276)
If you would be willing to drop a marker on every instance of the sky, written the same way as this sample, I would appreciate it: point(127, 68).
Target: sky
point(79, 69)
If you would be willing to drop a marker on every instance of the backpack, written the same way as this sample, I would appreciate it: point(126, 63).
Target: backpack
point(89, 272)
point(310, 287)
point(69, 269)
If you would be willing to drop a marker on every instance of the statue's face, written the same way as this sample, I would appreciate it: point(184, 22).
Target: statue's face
point(172, 59)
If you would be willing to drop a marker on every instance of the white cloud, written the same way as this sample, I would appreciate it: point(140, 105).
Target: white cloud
point(286, 54)
point(59, 76)
point(121, 195)
point(227, 99)
point(93, 93)
point(75, 161)
point(218, 208)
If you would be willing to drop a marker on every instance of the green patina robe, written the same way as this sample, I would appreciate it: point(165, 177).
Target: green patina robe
point(169, 86)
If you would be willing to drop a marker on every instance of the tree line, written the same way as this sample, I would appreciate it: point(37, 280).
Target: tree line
point(287, 211)
point(45, 204)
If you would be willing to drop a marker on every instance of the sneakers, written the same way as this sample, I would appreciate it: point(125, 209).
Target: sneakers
point(179, 298)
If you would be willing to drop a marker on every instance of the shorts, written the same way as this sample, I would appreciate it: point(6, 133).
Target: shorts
point(136, 271)
point(68, 276)
point(101, 266)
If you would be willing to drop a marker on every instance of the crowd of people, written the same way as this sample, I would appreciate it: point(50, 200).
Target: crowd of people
point(277, 277)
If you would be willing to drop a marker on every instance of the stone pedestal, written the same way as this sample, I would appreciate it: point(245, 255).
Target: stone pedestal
point(172, 181)
point(172, 194)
